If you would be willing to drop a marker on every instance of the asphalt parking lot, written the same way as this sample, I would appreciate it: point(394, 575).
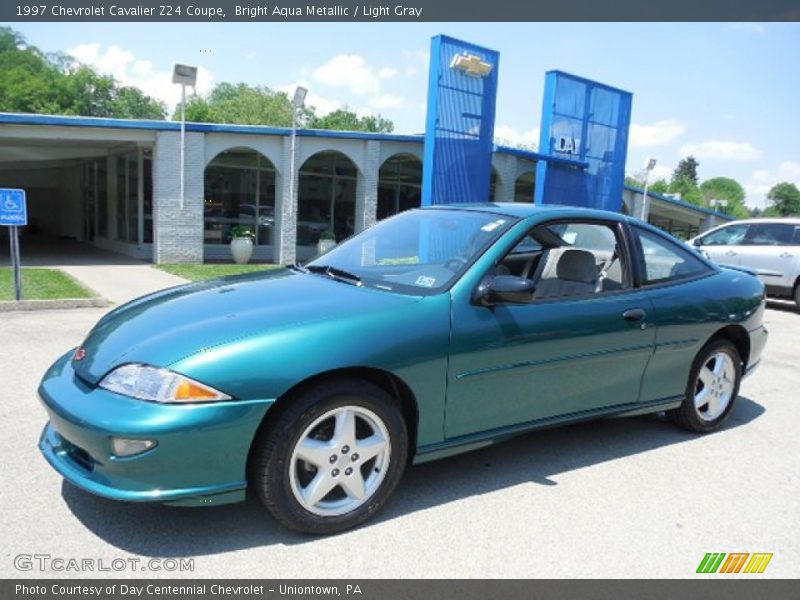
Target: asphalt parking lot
point(630, 497)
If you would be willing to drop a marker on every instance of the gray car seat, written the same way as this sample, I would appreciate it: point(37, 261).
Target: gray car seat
point(575, 275)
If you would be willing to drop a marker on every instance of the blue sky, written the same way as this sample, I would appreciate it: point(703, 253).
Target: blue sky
point(728, 93)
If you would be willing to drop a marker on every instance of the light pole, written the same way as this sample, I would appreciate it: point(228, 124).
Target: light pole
point(183, 75)
point(651, 164)
point(298, 101)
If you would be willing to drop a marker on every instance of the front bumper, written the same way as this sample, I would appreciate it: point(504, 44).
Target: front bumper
point(201, 452)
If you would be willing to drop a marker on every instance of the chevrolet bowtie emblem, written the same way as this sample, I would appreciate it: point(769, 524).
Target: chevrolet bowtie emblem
point(471, 65)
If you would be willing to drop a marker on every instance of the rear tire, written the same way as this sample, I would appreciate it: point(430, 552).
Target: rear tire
point(332, 458)
point(712, 388)
point(797, 296)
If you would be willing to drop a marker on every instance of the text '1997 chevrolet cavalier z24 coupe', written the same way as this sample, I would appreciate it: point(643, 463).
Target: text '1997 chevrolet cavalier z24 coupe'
point(437, 331)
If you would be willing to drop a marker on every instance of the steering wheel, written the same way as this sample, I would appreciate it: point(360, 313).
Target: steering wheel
point(455, 263)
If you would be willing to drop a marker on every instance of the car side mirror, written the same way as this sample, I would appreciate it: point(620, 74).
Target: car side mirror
point(697, 242)
point(507, 288)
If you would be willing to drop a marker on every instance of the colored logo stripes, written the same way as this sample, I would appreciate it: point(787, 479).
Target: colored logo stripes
point(734, 562)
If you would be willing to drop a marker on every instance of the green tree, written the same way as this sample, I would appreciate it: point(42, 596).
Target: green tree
point(687, 188)
point(784, 200)
point(686, 169)
point(659, 186)
point(258, 105)
point(34, 82)
point(729, 190)
point(349, 121)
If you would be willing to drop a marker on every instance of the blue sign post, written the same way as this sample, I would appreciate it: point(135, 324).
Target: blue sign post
point(459, 130)
point(14, 214)
point(586, 121)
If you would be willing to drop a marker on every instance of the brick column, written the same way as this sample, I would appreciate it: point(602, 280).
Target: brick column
point(367, 187)
point(285, 238)
point(178, 233)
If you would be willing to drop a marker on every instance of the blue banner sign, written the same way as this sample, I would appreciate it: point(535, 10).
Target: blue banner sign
point(459, 131)
point(584, 121)
point(13, 208)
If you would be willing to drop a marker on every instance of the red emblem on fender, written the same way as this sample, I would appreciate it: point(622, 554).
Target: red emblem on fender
point(79, 354)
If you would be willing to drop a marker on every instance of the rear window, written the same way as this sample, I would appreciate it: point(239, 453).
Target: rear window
point(666, 261)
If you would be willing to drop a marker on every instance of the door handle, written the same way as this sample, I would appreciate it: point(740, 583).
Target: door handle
point(730, 253)
point(634, 315)
point(787, 255)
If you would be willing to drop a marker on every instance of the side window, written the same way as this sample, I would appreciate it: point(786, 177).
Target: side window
point(726, 236)
point(570, 259)
point(771, 234)
point(667, 261)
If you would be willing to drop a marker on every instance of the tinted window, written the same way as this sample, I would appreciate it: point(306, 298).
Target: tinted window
point(667, 261)
point(772, 234)
point(726, 236)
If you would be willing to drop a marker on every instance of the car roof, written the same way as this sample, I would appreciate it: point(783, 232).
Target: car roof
point(789, 220)
point(523, 210)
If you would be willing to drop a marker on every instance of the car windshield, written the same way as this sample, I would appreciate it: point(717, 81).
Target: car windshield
point(419, 252)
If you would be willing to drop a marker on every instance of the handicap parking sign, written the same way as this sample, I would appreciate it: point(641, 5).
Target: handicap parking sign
point(13, 208)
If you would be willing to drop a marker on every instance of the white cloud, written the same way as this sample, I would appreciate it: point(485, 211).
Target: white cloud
point(387, 73)
point(141, 73)
point(510, 136)
point(388, 101)
point(722, 150)
point(762, 180)
point(655, 134)
point(350, 71)
point(661, 172)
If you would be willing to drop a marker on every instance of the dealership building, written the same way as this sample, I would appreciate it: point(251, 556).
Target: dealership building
point(115, 184)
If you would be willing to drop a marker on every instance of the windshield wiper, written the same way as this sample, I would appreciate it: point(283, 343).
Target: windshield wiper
point(335, 273)
point(298, 267)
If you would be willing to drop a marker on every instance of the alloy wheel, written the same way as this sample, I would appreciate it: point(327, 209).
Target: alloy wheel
point(340, 461)
point(714, 387)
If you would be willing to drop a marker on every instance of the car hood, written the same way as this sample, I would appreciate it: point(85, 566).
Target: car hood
point(163, 328)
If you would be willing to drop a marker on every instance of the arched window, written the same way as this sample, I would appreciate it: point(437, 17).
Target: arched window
point(326, 198)
point(524, 186)
point(399, 185)
point(239, 190)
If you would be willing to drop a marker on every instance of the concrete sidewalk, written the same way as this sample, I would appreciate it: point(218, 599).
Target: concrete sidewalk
point(120, 283)
point(116, 277)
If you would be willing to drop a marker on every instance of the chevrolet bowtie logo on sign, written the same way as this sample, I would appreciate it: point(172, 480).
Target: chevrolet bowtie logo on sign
point(734, 562)
point(471, 65)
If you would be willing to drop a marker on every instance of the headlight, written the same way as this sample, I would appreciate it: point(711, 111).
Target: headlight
point(158, 385)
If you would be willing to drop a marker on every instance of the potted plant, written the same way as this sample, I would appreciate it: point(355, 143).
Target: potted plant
point(327, 240)
point(241, 244)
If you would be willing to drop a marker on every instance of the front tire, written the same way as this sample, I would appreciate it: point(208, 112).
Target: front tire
point(712, 388)
point(332, 458)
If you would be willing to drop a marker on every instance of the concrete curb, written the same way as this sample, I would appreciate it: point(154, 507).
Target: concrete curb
point(12, 305)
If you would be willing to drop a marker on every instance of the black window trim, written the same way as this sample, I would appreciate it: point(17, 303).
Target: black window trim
point(624, 241)
point(641, 267)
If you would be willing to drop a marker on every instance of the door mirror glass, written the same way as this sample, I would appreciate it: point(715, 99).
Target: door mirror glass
point(508, 288)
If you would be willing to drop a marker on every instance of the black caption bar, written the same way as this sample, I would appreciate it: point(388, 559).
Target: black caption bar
point(394, 589)
point(400, 10)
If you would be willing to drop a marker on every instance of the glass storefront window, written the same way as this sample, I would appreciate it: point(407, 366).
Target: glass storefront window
point(523, 188)
point(399, 185)
point(326, 197)
point(239, 190)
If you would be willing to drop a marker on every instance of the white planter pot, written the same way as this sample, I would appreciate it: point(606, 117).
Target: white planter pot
point(324, 245)
point(241, 250)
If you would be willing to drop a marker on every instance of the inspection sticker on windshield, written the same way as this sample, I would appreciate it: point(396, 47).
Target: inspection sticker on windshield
point(493, 225)
point(425, 281)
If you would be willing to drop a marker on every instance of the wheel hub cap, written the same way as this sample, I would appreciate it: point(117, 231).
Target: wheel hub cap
point(714, 386)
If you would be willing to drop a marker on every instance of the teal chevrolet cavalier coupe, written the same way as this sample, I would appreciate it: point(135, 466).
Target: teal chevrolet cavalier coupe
point(437, 331)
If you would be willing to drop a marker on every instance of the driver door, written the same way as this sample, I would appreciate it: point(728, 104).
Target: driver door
point(558, 356)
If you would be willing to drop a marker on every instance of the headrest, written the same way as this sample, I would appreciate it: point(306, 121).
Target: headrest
point(577, 265)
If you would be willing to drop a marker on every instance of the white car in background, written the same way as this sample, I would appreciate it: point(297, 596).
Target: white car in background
point(770, 247)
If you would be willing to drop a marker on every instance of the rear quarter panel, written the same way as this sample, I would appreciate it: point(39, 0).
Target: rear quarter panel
point(688, 314)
